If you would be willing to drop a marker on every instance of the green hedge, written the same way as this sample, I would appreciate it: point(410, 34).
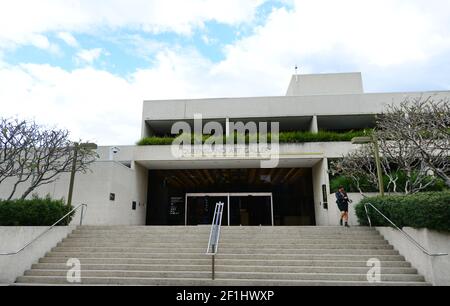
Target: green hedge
point(321, 136)
point(284, 137)
point(366, 186)
point(423, 210)
point(34, 212)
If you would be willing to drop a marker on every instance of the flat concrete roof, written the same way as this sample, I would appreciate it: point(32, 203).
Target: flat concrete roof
point(344, 105)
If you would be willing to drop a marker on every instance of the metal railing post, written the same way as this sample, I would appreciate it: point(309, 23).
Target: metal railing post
point(214, 237)
point(368, 217)
point(213, 268)
point(82, 214)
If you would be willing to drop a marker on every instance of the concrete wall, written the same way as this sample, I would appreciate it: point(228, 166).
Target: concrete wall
point(287, 150)
point(325, 84)
point(320, 177)
point(435, 269)
point(273, 107)
point(157, 155)
point(93, 188)
point(14, 238)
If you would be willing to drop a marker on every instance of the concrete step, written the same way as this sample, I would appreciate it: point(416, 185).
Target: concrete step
point(224, 240)
point(366, 250)
point(189, 236)
point(206, 267)
point(230, 275)
point(137, 227)
point(208, 227)
point(235, 229)
point(44, 281)
point(251, 256)
point(223, 246)
point(311, 256)
point(235, 262)
point(232, 232)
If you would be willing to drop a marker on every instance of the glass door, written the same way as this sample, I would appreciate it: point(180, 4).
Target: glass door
point(200, 208)
point(246, 209)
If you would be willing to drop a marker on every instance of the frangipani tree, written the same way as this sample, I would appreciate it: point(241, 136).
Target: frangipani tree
point(414, 144)
point(33, 156)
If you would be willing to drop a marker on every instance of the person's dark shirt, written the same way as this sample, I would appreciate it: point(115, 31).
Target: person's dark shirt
point(342, 198)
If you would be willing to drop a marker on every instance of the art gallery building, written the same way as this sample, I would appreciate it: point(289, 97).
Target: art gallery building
point(149, 185)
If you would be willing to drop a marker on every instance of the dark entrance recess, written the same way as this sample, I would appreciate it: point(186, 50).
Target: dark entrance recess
point(293, 201)
point(201, 210)
point(250, 210)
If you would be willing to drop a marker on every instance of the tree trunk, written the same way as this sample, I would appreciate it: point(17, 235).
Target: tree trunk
point(27, 192)
point(443, 176)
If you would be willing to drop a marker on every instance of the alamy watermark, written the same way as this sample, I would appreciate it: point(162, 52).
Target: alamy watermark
point(73, 275)
point(239, 140)
point(374, 273)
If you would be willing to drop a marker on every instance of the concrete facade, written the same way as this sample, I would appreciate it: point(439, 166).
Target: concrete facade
point(94, 188)
point(314, 102)
point(323, 84)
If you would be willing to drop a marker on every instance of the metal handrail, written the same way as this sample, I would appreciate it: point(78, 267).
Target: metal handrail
point(83, 206)
point(214, 236)
point(411, 239)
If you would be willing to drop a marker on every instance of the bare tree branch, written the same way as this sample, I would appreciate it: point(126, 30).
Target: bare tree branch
point(414, 141)
point(36, 156)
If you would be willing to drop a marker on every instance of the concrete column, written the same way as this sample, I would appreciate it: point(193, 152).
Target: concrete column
point(314, 127)
point(146, 131)
point(320, 178)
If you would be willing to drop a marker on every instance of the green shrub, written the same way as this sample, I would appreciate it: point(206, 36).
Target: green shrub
point(350, 185)
point(34, 212)
point(438, 185)
point(156, 141)
point(423, 210)
point(321, 136)
point(284, 137)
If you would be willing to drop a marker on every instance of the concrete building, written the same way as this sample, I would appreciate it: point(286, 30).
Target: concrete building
point(148, 185)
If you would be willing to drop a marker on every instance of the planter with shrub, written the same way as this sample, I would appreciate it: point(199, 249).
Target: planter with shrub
point(423, 210)
point(34, 212)
point(284, 137)
point(366, 186)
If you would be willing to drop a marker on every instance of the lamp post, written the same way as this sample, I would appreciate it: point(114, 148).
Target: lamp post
point(76, 147)
point(373, 140)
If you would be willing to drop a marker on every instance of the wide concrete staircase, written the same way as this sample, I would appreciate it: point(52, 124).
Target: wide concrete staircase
point(248, 256)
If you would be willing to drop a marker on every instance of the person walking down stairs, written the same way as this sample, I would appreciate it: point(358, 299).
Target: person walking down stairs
point(342, 202)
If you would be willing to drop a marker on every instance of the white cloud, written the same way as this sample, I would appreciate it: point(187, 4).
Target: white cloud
point(382, 33)
point(21, 18)
point(42, 42)
point(137, 45)
point(90, 103)
point(208, 40)
point(68, 38)
point(88, 56)
point(99, 106)
point(383, 37)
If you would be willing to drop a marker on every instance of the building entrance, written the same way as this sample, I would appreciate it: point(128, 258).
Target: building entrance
point(279, 196)
point(250, 209)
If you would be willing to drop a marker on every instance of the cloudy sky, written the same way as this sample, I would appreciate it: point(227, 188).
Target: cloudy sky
point(88, 65)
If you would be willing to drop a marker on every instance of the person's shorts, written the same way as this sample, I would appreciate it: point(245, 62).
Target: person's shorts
point(343, 207)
